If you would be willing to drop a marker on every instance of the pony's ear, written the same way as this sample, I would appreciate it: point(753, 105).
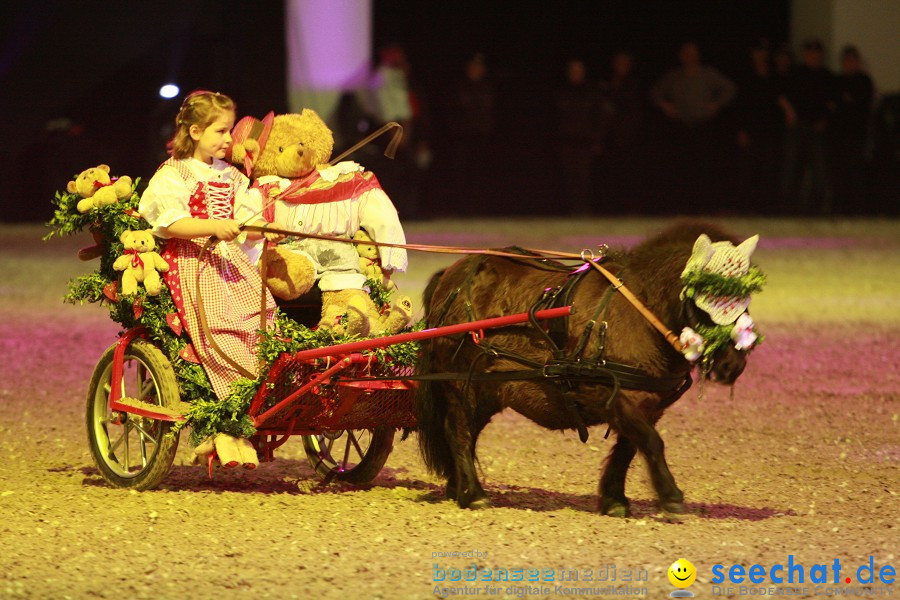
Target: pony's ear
point(701, 254)
point(747, 247)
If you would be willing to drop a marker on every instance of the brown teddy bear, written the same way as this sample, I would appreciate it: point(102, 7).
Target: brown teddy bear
point(97, 189)
point(352, 312)
point(140, 263)
point(308, 195)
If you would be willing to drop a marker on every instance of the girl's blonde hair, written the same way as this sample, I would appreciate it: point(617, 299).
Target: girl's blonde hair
point(201, 108)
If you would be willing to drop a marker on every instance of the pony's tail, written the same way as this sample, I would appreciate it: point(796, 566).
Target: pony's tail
point(431, 405)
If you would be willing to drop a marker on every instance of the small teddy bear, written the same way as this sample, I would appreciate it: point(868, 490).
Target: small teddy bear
point(369, 262)
point(97, 189)
point(140, 263)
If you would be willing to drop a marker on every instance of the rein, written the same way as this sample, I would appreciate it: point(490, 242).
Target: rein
point(532, 254)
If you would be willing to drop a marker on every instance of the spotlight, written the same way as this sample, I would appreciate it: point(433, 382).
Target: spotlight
point(170, 90)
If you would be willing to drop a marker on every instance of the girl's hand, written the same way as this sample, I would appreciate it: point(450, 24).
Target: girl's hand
point(275, 237)
point(226, 229)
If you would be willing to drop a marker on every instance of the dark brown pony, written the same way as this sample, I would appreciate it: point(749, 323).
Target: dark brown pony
point(452, 412)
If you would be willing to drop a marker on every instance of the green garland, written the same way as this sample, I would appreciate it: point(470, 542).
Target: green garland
point(714, 284)
point(716, 337)
point(208, 414)
point(108, 223)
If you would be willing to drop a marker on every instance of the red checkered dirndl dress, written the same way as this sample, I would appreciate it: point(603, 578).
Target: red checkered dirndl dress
point(230, 286)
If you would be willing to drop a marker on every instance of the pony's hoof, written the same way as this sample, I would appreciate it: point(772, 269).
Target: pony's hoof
point(615, 508)
point(479, 503)
point(672, 508)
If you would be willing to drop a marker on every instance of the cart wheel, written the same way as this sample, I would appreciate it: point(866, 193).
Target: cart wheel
point(131, 451)
point(351, 455)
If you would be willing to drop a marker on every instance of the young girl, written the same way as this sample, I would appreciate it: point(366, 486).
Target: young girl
point(194, 195)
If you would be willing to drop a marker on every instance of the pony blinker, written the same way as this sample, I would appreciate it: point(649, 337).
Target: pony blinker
point(728, 261)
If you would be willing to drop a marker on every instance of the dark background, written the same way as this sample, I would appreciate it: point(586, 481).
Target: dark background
point(99, 65)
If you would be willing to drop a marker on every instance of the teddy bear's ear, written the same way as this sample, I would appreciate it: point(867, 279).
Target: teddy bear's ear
point(70, 187)
point(126, 235)
point(103, 168)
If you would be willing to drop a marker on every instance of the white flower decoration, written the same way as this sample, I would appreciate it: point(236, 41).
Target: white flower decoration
point(742, 333)
point(693, 344)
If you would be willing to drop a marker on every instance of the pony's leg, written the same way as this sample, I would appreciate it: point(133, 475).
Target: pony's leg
point(461, 435)
point(641, 433)
point(451, 492)
point(613, 501)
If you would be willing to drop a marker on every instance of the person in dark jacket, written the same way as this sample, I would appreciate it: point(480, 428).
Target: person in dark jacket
point(579, 115)
point(850, 132)
point(811, 92)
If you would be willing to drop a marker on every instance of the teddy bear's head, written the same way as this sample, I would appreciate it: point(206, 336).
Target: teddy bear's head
point(89, 181)
point(142, 240)
point(296, 145)
point(365, 250)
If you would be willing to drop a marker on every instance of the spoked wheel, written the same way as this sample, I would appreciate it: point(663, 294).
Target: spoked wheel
point(132, 451)
point(351, 455)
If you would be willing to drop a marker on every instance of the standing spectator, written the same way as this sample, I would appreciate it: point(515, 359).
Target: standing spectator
point(417, 152)
point(760, 113)
point(783, 68)
point(805, 184)
point(691, 96)
point(625, 106)
point(886, 156)
point(472, 135)
point(849, 132)
point(579, 133)
point(390, 93)
point(390, 101)
point(783, 78)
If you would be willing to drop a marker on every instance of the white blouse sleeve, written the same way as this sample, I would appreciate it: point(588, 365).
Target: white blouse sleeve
point(247, 201)
point(165, 200)
point(379, 218)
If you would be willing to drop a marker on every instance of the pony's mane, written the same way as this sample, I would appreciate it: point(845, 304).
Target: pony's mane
point(686, 231)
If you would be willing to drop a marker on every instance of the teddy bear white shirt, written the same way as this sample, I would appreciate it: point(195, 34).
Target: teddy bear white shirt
point(167, 198)
point(372, 210)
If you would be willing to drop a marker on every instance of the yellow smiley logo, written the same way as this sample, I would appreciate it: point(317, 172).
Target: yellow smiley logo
point(682, 573)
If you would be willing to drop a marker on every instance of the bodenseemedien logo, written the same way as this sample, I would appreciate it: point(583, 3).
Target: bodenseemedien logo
point(682, 574)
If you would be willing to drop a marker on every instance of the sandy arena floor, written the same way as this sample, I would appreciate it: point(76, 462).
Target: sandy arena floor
point(803, 461)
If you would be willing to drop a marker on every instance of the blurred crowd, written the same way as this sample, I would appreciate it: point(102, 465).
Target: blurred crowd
point(783, 137)
point(607, 135)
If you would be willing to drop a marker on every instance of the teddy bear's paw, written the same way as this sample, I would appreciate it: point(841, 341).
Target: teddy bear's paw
point(357, 317)
point(84, 205)
point(289, 275)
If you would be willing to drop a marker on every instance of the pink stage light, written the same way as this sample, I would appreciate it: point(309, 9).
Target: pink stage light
point(328, 43)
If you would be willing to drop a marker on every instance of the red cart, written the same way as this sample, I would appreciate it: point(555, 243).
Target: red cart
point(344, 403)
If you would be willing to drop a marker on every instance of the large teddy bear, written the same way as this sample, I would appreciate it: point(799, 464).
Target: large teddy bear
point(97, 189)
point(140, 263)
point(304, 193)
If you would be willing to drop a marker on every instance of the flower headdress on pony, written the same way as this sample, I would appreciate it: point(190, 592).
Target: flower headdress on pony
point(720, 280)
